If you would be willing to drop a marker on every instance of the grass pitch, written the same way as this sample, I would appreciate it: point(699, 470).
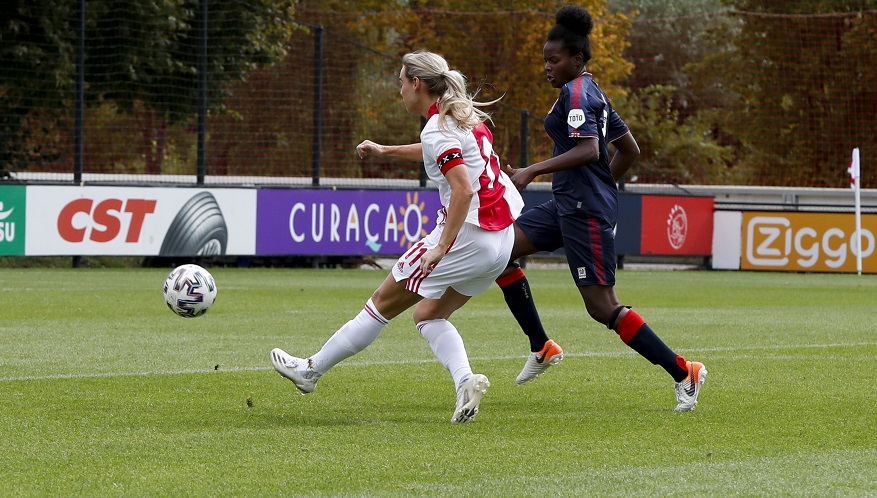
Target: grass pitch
point(106, 393)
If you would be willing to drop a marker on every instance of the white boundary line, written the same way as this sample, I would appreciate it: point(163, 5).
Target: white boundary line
point(430, 360)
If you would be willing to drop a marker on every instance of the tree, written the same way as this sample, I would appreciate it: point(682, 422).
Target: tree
point(673, 149)
point(798, 86)
point(666, 36)
point(662, 108)
point(496, 43)
point(141, 58)
point(36, 55)
point(505, 51)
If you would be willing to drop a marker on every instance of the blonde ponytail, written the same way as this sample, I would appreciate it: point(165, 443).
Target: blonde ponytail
point(449, 85)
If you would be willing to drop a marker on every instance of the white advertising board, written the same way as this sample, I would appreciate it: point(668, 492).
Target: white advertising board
point(726, 240)
point(140, 221)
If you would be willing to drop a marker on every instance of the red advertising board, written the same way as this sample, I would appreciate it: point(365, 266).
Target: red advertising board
point(677, 225)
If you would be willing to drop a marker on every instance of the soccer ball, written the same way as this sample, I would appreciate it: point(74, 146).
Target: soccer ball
point(189, 291)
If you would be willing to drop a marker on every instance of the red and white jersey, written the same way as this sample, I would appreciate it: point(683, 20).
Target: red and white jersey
point(496, 203)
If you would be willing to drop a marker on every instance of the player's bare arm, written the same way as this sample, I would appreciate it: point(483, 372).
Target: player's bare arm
point(458, 208)
point(626, 153)
point(407, 152)
point(586, 151)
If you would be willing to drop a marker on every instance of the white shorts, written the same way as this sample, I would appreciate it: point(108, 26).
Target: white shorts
point(475, 260)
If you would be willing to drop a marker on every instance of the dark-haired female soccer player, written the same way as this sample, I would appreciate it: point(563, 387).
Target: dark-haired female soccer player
point(582, 215)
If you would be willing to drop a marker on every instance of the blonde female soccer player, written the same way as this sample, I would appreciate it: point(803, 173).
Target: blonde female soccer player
point(468, 249)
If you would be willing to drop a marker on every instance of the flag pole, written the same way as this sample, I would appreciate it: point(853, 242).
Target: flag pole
point(856, 186)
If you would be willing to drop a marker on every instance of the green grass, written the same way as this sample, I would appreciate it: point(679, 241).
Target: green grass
point(105, 392)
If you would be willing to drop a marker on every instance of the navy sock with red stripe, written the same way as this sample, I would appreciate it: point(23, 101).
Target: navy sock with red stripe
point(516, 290)
point(634, 331)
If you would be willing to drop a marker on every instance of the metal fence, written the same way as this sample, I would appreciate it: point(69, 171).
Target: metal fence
point(798, 96)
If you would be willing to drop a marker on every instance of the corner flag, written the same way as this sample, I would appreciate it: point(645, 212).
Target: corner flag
point(855, 184)
point(853, 170)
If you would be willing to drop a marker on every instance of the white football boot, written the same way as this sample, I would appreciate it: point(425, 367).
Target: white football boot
point(688, 390)
point(468, 397)
point(295, 369)
point(538, 363)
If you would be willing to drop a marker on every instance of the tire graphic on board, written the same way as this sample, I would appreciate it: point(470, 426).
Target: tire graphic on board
point(198, 229)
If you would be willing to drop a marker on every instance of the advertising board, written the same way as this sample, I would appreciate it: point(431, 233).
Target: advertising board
point(122, 221)
point(818, 242)
point(13, 210)
point(343, 222)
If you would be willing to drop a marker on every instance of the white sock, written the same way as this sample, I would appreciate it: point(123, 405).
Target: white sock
point(447, 345)
point(350, 339)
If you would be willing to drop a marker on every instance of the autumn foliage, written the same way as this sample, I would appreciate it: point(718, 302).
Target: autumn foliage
point(739, 92)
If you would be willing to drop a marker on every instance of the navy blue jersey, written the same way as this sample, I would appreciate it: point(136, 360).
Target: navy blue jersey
point(584, 111)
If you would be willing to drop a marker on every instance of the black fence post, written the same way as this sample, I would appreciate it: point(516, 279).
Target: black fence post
point(202, 96)
point(525, 138)
point(79, 107)
point(318, 104)
point(79, 98)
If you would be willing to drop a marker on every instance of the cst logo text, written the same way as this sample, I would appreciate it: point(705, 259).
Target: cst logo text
point(105, 220)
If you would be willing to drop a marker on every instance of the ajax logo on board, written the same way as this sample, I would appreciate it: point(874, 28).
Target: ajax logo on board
point(677, 227)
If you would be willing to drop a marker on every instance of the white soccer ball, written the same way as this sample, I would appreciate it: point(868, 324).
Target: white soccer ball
point(189, 291)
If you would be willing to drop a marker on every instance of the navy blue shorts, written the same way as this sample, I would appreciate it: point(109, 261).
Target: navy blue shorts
point(589, 242)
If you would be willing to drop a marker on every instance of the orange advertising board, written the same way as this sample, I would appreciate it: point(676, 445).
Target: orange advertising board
point(815, 242)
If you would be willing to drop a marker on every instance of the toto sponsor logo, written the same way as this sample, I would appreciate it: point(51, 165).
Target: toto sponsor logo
point(677, 226)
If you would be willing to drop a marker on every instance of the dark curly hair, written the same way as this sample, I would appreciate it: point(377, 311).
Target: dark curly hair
point(572, 27)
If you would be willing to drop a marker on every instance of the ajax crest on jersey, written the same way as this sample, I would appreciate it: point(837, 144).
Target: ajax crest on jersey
point(189, 291)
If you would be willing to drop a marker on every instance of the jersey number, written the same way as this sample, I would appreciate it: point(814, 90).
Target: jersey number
point(491, 161)
point(414, 254)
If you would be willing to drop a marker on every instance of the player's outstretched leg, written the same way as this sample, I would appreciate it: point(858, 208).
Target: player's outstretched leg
point(688, 376)
point(543, 351)
point(351, 338)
